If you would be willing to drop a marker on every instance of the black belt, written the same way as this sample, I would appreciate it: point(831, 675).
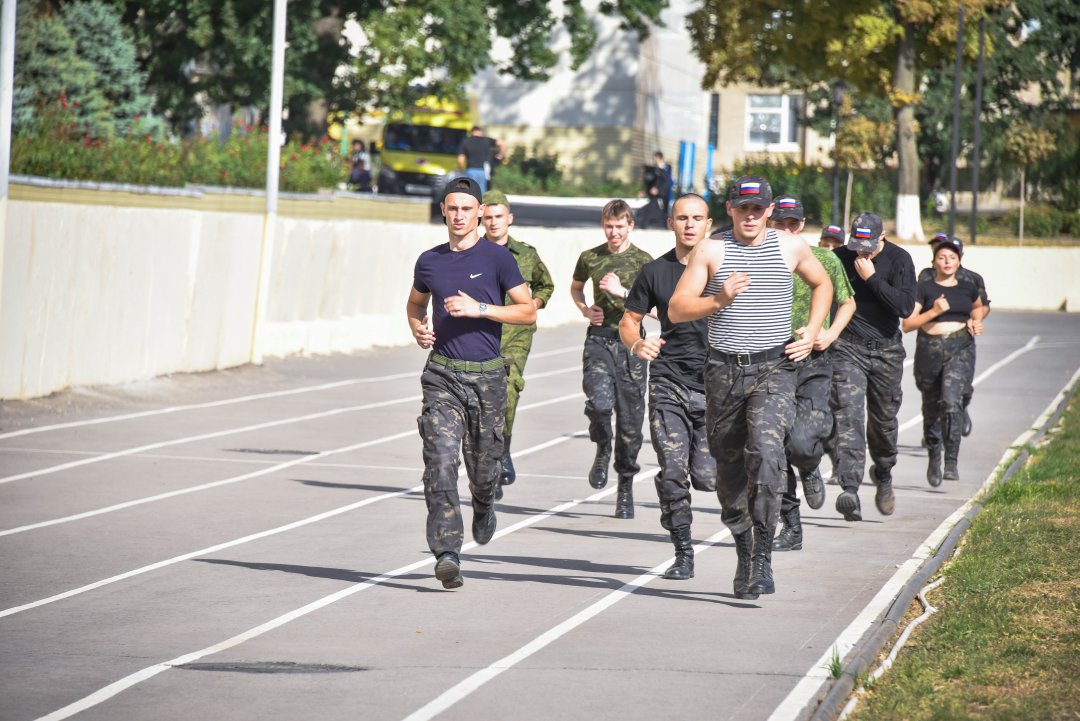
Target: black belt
point(748, 359)
point(468, 366)
point(871, 343)
point(604, 332)
point(947, 336)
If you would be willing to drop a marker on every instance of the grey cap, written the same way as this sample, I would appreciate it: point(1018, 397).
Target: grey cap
point(865, 231)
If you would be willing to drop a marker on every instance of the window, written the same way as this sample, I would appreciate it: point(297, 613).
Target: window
point(772, 122)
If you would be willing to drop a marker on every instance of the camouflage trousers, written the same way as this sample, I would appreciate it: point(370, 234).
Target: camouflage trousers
point(516, 344)
point(944, 368)
point(677, 427)
point(749, 412)
point(462, 415)
point(866, 397)
point(614, 382)
point(814, 424)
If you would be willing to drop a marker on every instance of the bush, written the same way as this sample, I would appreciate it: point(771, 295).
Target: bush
point(56, 147)
point(1040, 221)
point(1071, 223)
point(539, 174)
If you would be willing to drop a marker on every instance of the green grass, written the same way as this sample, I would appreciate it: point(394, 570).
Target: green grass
point(1005, 645)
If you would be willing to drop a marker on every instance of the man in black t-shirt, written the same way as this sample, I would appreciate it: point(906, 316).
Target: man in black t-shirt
point(676, 382)
point(466, 280)
point(868, 364)
point(476, 155)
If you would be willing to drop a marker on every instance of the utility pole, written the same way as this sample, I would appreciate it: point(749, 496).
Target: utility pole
point(957, 81)
point(977, 113)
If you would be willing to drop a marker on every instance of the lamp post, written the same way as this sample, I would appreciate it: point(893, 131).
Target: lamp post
point(837, 98)
point(957, 81)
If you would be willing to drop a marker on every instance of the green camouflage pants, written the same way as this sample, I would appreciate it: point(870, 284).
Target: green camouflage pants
point(944, 367)
point(614, 382)
point(462, 415)
point(814, 424)
point(516, 344)
point(866, 397)
point(749, 412)
point(677, 427)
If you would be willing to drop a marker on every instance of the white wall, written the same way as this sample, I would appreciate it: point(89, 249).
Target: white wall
point(101, 294)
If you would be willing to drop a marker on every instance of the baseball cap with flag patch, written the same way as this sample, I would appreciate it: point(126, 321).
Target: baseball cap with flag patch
point(833, 231)
point(750, 190)
point(788, 206)
point(865, 231)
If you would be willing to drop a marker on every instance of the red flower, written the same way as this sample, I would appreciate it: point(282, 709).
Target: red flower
point(63, 100)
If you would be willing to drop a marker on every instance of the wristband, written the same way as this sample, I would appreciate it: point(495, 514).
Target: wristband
point(625, 293)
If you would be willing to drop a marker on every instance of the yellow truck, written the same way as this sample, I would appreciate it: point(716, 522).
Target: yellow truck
point(419, 150)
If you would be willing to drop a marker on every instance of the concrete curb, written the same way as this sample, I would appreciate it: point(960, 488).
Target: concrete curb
point(866, 652)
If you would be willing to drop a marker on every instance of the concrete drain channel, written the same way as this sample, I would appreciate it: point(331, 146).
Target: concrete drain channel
point(269, 667)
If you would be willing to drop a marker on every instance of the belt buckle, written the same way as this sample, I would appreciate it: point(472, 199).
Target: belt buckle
point(739, 360)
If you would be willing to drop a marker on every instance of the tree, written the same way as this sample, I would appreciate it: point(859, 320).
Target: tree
point(1026, 145)
point(220, 50)
point(874, 46)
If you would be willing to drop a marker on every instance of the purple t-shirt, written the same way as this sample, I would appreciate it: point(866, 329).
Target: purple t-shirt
point(484, 272)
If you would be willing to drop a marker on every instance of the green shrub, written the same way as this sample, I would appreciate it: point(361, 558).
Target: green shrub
point(56, 147)
point(1040, 221)
point(1071, 224)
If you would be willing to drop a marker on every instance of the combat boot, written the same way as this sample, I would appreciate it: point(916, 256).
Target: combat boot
point(848, 506)
point(744, 545)
point(448, 570)
point(598, 473)
point(483, 523)
point(683, 568)
point(952, 473)
point(509, 475)
point(790, 536)
point(498, 489)
point(624, 498)
point(813, 489)
point(761, 578)
point(884, 498)
point(965, 430)
point(933, 468)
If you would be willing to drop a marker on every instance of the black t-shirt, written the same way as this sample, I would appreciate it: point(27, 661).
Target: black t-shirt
point(887, 297)
point(964, 276)
point(961, 297)
point(682, 357)
point(477, 150)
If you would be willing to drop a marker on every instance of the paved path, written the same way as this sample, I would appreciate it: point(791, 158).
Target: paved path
point(249, 544)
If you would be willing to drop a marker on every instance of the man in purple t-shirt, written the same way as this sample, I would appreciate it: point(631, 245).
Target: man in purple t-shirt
point(464, 380)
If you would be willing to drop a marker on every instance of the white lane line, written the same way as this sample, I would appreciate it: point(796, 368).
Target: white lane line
point(240, 399)
point(809, 686)
point(107, 692)
point(462, 689)
point(264, 534)
point(1030, 345)
point(247, 476)
point(230, 431)
point(199, 406)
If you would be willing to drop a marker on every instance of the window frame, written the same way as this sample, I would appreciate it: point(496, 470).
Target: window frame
point(788, 127)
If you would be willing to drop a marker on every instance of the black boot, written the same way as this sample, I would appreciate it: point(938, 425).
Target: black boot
point(790, 536)
point(933, 468)
point(952, 473)
point(884, 498)
point(598, 473)
point(683, 568)
point(965, 431)
point(624, 498)
point(448, 570)
point(813, 489)
point(761, 578)
point(848, 506)
point(509, 475)
point(744, 545)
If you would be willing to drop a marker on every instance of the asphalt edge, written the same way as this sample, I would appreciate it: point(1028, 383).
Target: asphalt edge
point(866, 651)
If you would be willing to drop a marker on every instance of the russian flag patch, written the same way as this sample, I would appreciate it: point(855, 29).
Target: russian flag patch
point(749, 188)
point(862, 233)
point(835, 229)
point(787, 202)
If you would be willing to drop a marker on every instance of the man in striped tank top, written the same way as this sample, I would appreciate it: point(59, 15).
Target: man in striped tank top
point(742, 283)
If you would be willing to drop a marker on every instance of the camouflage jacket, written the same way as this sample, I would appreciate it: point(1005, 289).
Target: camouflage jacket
point(800, 297)
point(594, 263)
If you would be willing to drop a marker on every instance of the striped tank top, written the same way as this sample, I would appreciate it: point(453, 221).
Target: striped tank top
point(760, 317)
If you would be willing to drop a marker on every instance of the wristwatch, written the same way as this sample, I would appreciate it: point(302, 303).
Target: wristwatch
point(483, 309)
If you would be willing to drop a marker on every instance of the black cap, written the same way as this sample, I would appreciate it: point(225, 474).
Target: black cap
point(941, 240)
point(462, 184)
point(750, 190)
point(788, 206)
point(865, 231)
point(833, 231)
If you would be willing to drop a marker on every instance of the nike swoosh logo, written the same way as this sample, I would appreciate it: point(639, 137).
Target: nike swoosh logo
point(475, 276)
